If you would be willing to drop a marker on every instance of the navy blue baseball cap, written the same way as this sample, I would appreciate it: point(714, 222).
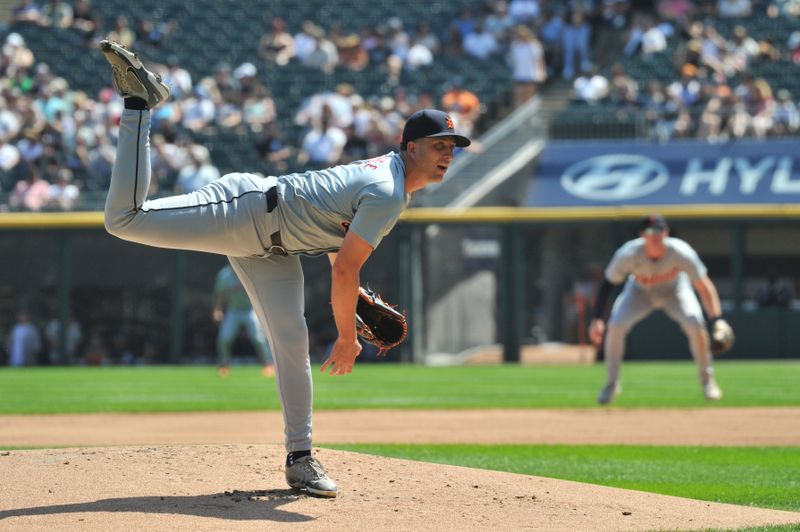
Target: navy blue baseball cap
point(653, 223)
point(431, 123)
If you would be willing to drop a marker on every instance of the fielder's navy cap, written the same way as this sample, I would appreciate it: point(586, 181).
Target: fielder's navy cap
point(654, 223)
point(431, 123)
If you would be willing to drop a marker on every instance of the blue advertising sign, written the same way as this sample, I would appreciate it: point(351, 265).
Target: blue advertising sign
point(678, 173)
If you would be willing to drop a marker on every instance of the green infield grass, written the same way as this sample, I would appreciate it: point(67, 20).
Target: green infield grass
point(753, 476)
point(773, 528)
point(198, 388)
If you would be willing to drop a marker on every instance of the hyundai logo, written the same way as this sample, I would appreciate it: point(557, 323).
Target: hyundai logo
point(614, 177)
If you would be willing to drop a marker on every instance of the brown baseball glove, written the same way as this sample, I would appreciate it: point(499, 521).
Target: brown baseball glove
point(378, 323)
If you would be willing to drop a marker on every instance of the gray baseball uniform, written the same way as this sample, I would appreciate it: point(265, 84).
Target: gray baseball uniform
point(261, 225)
point(664, 284)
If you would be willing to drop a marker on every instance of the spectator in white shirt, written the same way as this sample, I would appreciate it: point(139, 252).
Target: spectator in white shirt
point(590, 87)
point(653, 38)
point(324, 143)
point(418, 56)
point(526, 56)
point(9, 155)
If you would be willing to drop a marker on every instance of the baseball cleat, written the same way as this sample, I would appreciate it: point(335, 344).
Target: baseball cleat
point(609, 392)
point(307, 473)
point(130, 78)
point(268, 370)
point(711, 391)
point(223, 371)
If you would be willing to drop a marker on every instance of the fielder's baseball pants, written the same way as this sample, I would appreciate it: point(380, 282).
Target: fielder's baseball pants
point(228, 217)
point(634, 304)
point(233, 321)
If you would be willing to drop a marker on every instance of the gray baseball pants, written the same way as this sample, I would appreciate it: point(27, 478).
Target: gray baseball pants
point(228, 217)
point(634, 304)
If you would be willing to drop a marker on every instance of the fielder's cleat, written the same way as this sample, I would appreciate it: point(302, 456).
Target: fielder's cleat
point(268, 370)
point(711, 391)
point(307, 473)
point(223, 371)
point(609, 392)
point(130, 78)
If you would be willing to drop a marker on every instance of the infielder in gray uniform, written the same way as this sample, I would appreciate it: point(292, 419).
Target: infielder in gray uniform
point(233, 310)
point(263, 224)
point(659, 272)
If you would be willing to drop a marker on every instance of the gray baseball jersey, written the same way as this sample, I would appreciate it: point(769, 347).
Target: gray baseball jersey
point(319, 207)
point(679, 262)
point(233, 216)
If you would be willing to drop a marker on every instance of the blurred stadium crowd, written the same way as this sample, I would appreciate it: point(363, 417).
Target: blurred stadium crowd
point(713, 93)
point(57, 139)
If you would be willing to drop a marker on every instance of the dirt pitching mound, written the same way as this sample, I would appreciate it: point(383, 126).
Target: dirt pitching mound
point(240, 487)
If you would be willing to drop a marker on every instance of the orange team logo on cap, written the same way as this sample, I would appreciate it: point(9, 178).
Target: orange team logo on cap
point(450, 123)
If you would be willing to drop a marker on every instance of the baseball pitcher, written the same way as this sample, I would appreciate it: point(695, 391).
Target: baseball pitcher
point(263, 224)
point(659, 272)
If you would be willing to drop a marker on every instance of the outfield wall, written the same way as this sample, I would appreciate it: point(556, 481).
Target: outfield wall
point(466, 279)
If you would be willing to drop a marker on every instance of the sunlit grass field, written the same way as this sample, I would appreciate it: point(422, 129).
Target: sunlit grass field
point(766, 477)
point(198, 388)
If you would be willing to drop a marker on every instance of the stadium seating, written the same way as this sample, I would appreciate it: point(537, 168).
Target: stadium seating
point(208, 32)
point(605, 120)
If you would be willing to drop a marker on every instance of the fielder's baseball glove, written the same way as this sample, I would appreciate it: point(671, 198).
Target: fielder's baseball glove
point(722, 337)
point(378, 323)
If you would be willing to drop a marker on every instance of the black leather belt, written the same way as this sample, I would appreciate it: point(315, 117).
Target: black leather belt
point(272, 199)
point(276, 244)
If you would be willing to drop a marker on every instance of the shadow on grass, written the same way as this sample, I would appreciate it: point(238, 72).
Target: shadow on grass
point(236, 505)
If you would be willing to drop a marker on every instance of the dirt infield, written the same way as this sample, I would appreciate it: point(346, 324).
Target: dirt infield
point(239, 487)
point(212, 471)
point(701, 426)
